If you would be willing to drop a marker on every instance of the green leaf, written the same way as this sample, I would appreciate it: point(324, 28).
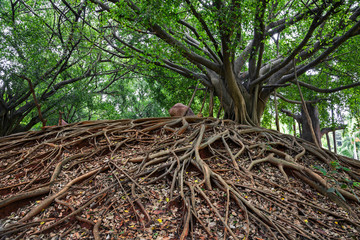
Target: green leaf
point(321, 169)
point(340, 195)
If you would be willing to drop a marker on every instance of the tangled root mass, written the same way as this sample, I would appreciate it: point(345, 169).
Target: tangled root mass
point(174, 178)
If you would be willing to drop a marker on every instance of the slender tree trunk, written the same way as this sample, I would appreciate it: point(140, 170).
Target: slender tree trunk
point(355, 150)
point(307, 115)
point(334, 140)
point(276, 113)
point(315, 124)
point(211, 103)
point(294, 127)
point(328, 141)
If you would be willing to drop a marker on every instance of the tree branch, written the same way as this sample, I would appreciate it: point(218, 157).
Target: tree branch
point(350, 33)
point(297, 117)
point(191, 56)
point(213, 55)
point(322, 90)
point(204, 25)
point(299, 102)
point(259, 30)
point(318, 19)
point(331, 129)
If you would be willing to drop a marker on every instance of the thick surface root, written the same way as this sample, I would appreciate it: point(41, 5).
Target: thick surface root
point(174, 178)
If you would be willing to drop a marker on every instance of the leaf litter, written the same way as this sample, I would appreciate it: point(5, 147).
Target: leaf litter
point(174, 178)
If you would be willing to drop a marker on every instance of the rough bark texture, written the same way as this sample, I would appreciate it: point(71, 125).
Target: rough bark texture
point(314, 115)
point(305, 131)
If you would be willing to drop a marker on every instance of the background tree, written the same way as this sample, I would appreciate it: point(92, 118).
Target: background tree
point(71, 72)
point(51, 62)
point(330, 104)
point(242, 50)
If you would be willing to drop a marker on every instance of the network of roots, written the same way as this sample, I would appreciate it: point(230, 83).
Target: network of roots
point(174, 178)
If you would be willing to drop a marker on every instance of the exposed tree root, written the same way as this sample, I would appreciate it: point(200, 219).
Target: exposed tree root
point(178, 178)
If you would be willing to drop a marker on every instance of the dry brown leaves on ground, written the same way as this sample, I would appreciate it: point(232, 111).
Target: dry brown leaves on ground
point(174, 178)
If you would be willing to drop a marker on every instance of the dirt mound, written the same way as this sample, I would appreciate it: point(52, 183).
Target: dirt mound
point(174, 178)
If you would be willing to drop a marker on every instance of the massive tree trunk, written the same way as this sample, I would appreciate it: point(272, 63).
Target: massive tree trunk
point(237, 102)
point(244, 108)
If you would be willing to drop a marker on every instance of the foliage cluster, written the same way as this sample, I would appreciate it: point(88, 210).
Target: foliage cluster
point(131, 59)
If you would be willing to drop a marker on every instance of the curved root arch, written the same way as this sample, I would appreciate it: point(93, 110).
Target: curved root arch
point(175, 178)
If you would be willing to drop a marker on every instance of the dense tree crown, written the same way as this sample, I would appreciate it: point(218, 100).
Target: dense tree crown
point(241, 51)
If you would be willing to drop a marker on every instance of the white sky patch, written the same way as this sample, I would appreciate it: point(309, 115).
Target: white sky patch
point(104, 98)
point(311, 72)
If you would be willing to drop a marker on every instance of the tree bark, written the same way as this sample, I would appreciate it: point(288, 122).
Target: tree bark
point(276, 113)
point(211, 103)
point(305, 112)
point(304, 127)
point(334, 139)
point(314, 119)
point(294, 128)
point(328, 141)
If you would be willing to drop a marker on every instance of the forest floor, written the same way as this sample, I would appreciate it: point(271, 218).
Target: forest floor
point(174, 178)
